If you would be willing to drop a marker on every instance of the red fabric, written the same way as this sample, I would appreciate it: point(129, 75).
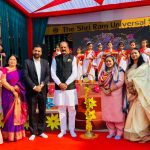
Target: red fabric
point(78, 11)
point(124, 55)
point(52, 4)
point(92, 9)
point(99, 1)
point(4, 70)
point(68, 143)
point(142, 50)
point(80, 56)
point(58, 2)
point(113, 51)
point(96, 53)
point(87, 52)
point(125, 52)
point(128, 52)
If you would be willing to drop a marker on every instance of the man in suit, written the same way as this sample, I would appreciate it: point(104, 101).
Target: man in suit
point(64, 74)
point(36, 75)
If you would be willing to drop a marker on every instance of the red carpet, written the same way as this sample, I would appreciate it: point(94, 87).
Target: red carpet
point(68, 143)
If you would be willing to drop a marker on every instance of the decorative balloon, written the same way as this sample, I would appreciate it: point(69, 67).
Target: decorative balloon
point(77, 88)
point(51, 90)
point(96, 89)
point(49, 103)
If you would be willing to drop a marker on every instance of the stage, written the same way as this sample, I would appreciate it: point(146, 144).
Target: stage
point(68, 143)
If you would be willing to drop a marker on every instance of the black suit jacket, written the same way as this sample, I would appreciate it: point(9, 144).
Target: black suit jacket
point(31, 78)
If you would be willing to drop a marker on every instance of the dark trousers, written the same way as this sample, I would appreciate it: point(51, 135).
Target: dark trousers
point(37, 123)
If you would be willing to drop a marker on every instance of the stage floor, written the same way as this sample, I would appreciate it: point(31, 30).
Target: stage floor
point(68, 143)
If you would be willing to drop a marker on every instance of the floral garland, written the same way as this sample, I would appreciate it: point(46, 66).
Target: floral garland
point(89, 113)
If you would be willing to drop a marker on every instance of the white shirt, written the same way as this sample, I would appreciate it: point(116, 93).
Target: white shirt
point(37, 64)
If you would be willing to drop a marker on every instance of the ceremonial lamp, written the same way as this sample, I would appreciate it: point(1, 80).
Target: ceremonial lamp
point(90, 103)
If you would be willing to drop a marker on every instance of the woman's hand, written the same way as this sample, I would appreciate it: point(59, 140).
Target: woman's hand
point(148, 53)
point(12, 89)
point(131, 88)
point(16, 87)
point(113, 87)
point(15, 94)
point(107, 92)
point(3, 54)
point(132, 91)
point(129, 84)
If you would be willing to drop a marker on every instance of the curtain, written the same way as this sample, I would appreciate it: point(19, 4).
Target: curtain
point(39, 28)
point(14, 31)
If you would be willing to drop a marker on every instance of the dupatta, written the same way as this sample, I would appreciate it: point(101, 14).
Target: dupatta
point(141, 79)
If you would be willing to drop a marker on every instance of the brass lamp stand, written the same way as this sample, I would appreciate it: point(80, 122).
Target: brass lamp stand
point(90, 103)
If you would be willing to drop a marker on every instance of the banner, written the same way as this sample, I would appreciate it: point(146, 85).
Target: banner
point(97, 26)
point(80, 39)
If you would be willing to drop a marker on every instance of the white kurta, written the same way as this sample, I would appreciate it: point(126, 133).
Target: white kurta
point(98, 61)
point(79, 67)
point(79, 71)
point(86, 62)
point(68, 97)
point(99, 58)
point(123, 62)
point(145, 56)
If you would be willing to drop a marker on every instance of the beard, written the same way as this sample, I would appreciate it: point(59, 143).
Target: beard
point(36, 56)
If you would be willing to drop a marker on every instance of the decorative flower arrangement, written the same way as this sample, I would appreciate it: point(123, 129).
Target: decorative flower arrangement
point(89, 113)
point(51, 90)
point(53, 121)
point(96, 89)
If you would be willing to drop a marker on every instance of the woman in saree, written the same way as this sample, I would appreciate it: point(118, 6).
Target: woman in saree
point(13, 101)
point(111, 83)
point(137, 79)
